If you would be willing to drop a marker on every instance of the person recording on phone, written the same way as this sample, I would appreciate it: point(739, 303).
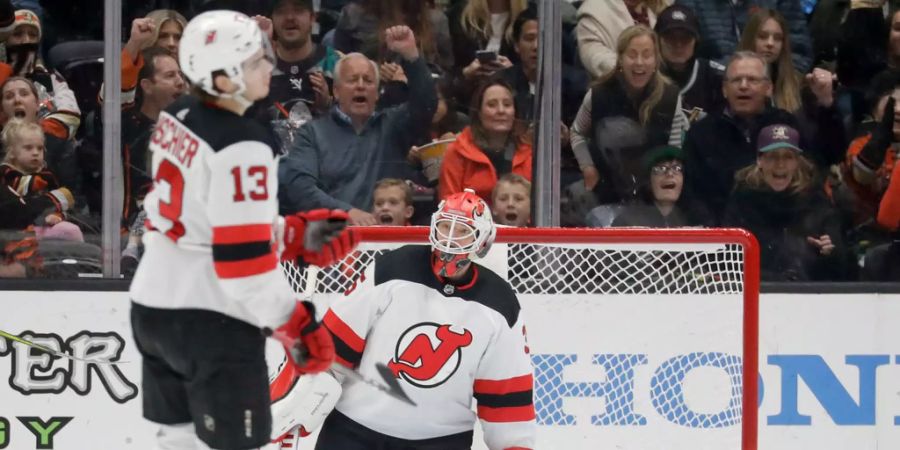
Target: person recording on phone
point(481, 31)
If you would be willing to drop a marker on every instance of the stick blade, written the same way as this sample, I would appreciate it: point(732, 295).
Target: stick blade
point(393, 385)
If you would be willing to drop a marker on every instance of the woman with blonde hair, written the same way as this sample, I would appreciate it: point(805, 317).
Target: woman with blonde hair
point(779, 200)
point(632, 109)
point(160, 28)
point(483, 25)
point(600, 22)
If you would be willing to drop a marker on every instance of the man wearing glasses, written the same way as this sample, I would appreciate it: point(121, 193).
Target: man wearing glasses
point(724, 142)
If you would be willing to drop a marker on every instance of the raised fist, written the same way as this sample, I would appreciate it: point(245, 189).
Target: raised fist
point(401, 39)
point(142, 32)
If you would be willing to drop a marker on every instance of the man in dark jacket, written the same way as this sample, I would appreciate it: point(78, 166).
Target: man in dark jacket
point(335, 160)
point(723, 21)
point(717, 146)
point(700, 79)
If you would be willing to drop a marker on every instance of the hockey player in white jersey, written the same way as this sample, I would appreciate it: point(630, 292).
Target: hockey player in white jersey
point(449, 329)
point(210, 281)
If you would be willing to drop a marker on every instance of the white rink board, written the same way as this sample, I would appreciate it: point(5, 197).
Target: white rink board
point(829, 366)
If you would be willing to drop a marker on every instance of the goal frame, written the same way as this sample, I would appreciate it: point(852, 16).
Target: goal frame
point(750, 357)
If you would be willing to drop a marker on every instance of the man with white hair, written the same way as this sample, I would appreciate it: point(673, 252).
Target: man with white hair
point(335, 160)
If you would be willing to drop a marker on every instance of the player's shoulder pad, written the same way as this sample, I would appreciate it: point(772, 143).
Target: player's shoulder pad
point(493, 291)
point(217, 127)
point(412, 263)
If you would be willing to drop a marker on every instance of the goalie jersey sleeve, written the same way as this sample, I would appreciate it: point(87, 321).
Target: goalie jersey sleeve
point(503, 389)
point(211, 218)
point(446, 344)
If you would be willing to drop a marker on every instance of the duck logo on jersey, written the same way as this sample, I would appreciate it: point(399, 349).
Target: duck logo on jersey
point(428, 354)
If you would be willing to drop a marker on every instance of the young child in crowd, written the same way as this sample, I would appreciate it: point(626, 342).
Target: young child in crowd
point(511, 201)
point(393, 202)
point(24, 170)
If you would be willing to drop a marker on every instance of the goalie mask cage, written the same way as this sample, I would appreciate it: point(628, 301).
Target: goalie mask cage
point(640, 338)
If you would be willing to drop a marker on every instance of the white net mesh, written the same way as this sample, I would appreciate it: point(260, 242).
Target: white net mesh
point(574, 269)
point(648, 391)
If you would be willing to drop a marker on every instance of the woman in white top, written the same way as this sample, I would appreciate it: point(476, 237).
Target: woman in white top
point(600, 22)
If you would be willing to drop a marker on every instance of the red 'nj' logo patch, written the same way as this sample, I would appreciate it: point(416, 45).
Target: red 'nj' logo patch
point(210, 37)
point(428, 354)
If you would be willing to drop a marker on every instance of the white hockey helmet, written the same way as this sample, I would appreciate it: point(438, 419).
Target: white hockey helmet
point(462, 229)
point(219, 42)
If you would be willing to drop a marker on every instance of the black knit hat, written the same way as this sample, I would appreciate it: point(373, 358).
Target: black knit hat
point(660, 154)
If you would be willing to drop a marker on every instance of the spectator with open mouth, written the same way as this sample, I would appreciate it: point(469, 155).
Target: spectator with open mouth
point(512, 201)
point(335, 160)
point(662, 202)
point(393, 204)
point(779, 201)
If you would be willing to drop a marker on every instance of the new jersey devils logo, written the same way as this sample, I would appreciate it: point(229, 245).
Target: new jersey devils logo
point(428, 354)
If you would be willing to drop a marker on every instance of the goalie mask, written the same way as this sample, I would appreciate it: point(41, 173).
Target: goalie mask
point(461, 230)
point(221, 43)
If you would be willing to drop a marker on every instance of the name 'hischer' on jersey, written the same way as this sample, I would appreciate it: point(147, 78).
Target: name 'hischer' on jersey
point(212, 217)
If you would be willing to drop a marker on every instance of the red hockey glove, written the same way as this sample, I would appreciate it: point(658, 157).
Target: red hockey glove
point(320, 237)
point(307, 343)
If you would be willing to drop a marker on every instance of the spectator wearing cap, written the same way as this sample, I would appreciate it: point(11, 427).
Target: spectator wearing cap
point(300, 89)
point(600, 22)
point(700, 79)
point(55, 97)
point(722, 143)
point(661, 200)
point(335, 160)
point(779, 201)
point(628, 112)
point(722, 22)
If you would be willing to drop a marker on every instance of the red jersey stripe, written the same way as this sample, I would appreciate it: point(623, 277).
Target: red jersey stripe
point(247, 267)
point(500, 387)
point(239, 234)
point(510, 414)
point(343, 331)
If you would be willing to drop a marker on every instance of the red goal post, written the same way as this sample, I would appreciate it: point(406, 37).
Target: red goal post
point(682, 303)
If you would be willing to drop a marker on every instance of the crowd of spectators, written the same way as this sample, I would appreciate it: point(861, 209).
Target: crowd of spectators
point(777, 116)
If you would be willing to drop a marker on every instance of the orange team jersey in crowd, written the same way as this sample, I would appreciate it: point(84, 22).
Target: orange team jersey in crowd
point(889, 208)
point(868, 197)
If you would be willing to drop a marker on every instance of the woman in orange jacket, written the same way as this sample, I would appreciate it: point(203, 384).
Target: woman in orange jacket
point(489, 148)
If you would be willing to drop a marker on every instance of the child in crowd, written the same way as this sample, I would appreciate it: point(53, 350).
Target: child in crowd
point(24, 170)
point(393, 202)
point(512, 201)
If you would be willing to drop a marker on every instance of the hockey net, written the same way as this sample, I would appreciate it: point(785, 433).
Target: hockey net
point(640, 338)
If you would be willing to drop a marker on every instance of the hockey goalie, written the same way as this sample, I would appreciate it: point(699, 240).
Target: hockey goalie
point(449, 329)
point(209, 282)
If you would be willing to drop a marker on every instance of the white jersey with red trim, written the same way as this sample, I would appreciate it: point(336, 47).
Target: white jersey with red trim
point(446, 344)
point(211, 218)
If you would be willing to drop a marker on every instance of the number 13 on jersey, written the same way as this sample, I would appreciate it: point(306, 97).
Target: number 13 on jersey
point(250, 184)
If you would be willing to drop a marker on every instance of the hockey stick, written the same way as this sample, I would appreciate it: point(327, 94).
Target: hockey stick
point(15, 338)
point(390, 387)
